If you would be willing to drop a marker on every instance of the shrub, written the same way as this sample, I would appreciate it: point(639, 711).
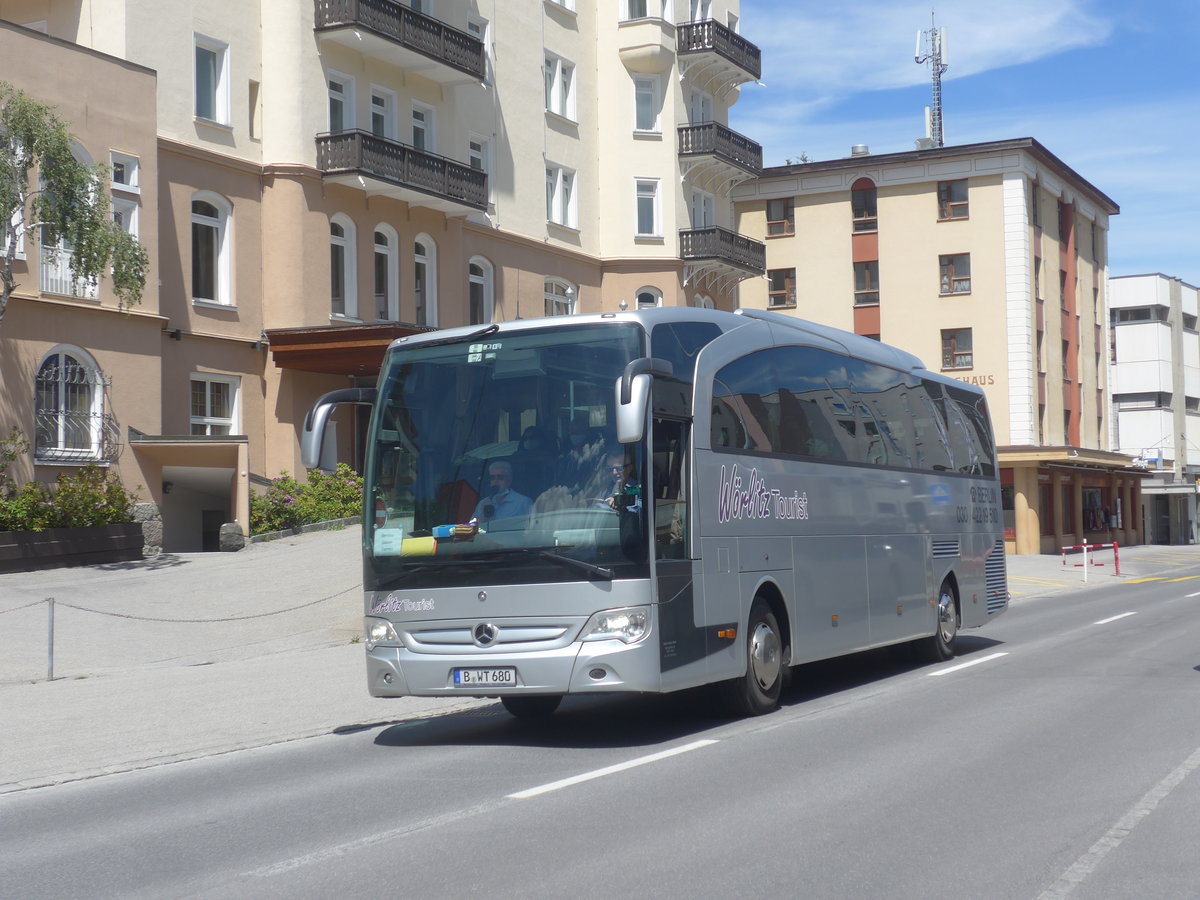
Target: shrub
point(89, 496)
point(289, 504)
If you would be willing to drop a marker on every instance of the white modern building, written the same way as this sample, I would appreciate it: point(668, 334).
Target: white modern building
point(1155, 360)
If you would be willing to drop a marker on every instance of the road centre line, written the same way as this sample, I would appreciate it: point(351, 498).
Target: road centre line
point(1089, 861)
point(1114, 618)
point(968, 664)
point(1184, 578)
point(608, 770)
point(1143, 580)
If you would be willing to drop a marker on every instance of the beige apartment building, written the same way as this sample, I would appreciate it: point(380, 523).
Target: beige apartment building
point(989, 262)
point(314, 178)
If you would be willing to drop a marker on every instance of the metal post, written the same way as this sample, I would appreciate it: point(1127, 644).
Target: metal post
point(1116, 560)
point(1085, 562)
point(50, 660)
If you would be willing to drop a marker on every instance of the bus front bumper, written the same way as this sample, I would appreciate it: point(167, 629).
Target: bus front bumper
point(581, 667)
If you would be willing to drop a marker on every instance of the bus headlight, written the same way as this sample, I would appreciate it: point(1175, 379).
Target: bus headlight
point(379, 631)
point(628, 625)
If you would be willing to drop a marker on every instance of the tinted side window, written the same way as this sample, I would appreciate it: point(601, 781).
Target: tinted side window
point(973, 410)
point(679, 343)
point(746, 405)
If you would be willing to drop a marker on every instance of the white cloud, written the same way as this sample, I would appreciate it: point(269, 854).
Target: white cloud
point(836, 49)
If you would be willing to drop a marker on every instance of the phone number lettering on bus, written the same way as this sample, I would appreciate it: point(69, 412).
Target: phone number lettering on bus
point(983, 505)
point(752, 499)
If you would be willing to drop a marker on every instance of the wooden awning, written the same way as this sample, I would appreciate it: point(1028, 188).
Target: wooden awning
point(336, 349)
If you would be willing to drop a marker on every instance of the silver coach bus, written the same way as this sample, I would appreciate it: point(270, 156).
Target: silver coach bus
point(656, 500)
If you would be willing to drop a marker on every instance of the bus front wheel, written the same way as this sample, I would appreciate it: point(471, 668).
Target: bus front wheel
point(758, 691)
point(942, 644)
point(533, 707)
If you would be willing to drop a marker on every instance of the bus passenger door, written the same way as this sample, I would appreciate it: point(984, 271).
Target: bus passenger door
point(681, 640)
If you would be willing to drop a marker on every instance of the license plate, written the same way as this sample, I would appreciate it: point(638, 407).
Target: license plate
point(506, 677)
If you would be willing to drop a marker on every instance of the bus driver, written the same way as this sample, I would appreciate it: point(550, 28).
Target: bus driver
point(504, 502)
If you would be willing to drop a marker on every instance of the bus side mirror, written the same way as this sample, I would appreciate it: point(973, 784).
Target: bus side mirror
point(312, 435)
point(633, 396)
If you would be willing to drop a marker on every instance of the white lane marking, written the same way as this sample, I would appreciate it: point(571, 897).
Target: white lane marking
point(1190, 596)
point(1114, 618)
point(609, 770)
point(1087, 863)
point(967, 665)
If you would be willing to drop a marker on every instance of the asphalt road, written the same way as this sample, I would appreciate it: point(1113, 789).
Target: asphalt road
point(1055, 757)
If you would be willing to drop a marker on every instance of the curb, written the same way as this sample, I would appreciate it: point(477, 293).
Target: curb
point(330, 525)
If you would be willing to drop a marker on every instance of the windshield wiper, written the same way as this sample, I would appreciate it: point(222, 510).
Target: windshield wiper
point(474, 335)
point(602, 571)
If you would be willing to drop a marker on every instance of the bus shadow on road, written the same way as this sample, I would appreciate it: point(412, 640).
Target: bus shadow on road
point(639, 720)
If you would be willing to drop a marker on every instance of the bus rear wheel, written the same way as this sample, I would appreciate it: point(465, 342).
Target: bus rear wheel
point(758, 691)
point(533, 707)
point(942, 645)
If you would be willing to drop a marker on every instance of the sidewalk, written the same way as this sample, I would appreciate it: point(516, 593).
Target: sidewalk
point(189, 655)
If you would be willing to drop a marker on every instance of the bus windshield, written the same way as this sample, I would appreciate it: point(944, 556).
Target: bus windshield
point(494, 460)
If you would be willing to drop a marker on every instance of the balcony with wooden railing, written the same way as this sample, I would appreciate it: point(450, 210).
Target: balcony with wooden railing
point(712, 146)
point(386, 30)
point(713, 52)
point(390, 168)
point(720, 257)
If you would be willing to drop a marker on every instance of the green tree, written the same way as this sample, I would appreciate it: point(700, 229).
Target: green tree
point(46, 194)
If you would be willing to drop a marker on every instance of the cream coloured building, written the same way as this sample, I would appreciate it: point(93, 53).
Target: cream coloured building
point(989, 262)
point(318, 177)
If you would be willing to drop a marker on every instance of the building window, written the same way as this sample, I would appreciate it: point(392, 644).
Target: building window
point(646, 198)
point(864, 205)
point(645, 104)
point(341, 102)
point(703, 210)
point(126, 173)
point(210, 249)
point(1035, 208)
point(636, 9)
point(125, 216)
point(866, 283)
point(560, 196)
point(479, 291)
point(69, 411)
point(214, 399)
point(781, 216)
point(952, 200)
point(479, 153)
point(425, 280)
point(703, 301)
point(956, 349)
point(343, 296)
point(955, 273)
point(781, 290)
point(1066, 360)
point(559, 297)
point(423, 133)
point(648, 298)
point(383, 113)
point(212, 80)
point(1064, 220)
point(560, 86)
point(387, 271)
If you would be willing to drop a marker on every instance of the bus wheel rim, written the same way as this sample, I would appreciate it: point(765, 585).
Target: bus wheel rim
point(947, 618)
point(765, 656)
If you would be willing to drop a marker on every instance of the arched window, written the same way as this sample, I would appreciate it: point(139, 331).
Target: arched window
point(425, 279)
point(69, 407)
point(343, 295)
point(559, 297)
point(649, 298)
point(387, 274)
point(863, 203)
point(480, 291)
point(703, 301)
point(210, 249)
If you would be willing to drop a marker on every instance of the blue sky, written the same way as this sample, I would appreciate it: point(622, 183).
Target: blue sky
point(1111, 88)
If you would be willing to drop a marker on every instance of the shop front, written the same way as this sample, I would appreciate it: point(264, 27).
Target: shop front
point(1055, 497)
